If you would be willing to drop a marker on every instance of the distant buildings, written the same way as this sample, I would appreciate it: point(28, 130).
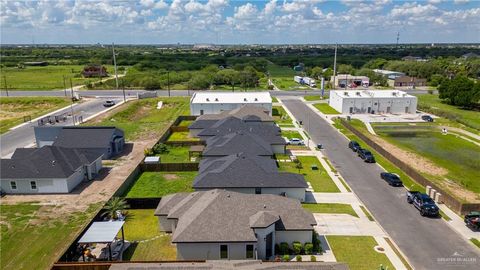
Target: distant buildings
point(414, 58)
point(347, 80)
point(368, 101)
point(94, 71)
point(391, 75)
point(217, 102)
point(407, 81)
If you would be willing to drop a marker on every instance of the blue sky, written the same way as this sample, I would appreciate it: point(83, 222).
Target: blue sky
point(238, 22)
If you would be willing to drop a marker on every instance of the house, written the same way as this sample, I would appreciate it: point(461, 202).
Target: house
point(249, 174)
point(48, 169)
point(376, 101)
point(94, 71)
point(216, 102)
point(246, 113)
point(220, 224)
point(414, 58)
point(470, 55)
point(407, 81)
point(109, 141)
point(237, 142)
point(347, 80)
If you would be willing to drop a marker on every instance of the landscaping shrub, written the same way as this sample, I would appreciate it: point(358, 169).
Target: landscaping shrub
point(277, 249)
point(313, 258)
point(317, 248)
point(159, 148)
point(283, 248)
point(148, 152)
point(286, 258)
point(275, 112)
point(308, 247)
point(297, 247)
point(298, 258)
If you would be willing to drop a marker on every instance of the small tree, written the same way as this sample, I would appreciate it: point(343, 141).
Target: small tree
point(298, 164)
point(298, 258)
point(308, 247)
point(284, 248)
point(286, 258)
point(113, 205)
point(297, 247)
point(160, 148)
point(313, 258)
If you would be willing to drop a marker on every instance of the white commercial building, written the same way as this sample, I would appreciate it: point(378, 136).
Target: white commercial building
point(369, 101)
point(217, 102)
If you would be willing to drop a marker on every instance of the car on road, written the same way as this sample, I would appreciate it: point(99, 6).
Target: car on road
point(423, 203)
point(472, 220)
point(355, 146)
point(427, 118)
point(391, 178)
point(108, 103)
point(366, 155)
point(295, 141)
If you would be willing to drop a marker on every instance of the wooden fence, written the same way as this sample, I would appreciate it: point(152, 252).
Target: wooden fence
point(169, 167)
point(452, 202)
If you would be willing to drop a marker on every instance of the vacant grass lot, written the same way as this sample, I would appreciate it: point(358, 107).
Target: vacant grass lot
point(29, 241)
point(159, 184)
point(330, 208)
point(281, 117)
point(141, 118)
point(142, 225)
point(13, 109)
point(175, 154)
point(319, 179)
point(45, 78)
point(358, 252)
point(290, 134)
point(325, 108)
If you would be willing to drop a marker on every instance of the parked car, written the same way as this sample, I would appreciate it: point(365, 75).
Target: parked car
point(108, 103)
point(423, 203)
point(295, 141)
point(427, 118)
point(366, 155)
point(391, 178)
point(355, 146)
point(472, 220)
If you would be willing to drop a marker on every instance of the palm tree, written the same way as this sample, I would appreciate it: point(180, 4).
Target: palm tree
point(113, 205)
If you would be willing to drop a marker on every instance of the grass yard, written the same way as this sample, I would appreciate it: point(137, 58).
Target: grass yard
point(274, 100)
point(319, 179)
point(185, 123)
point(142, 225)
point(475, 241)
point(13, 109)
point(312, 98)
point(175, 154)
point(159, 184)
point(181, 136)
point(141, 118)
point(31, 241)
point(330, 208)
point(325, 108)
point(281, 117)
point(358, 252)
point(432, 104)
point(290, 134)
point(45, 78)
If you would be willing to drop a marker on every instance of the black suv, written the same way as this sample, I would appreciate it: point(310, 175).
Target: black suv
point(427, 118)
point(366, 155)
point(392, 179)
point(354, 146)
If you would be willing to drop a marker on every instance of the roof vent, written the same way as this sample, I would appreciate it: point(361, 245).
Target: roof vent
point(345, 93)
point(53, 162)
point(228, 195)
point(264, 206)
point(208, 99)
point(256, 99)
point(358, 93)
point(216, 99)
point(245, 99)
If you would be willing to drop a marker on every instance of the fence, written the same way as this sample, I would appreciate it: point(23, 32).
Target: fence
point(171, 167)
point(449, 200)
point(142, 203)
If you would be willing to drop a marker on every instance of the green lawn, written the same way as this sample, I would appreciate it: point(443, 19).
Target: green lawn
point(274, 99)
point(325, 108)
point(475, 241)
point(159, 184)
point(13, 109)
point(181, 136)
point(142, 225)
point(281, 117)
point(45, 78)
point(185, 123)
point(312, 98)
point(434, 105)
point(365, 211)
point(31, 241)
point(319, 179)
point(330, 208)
point(290, 134)
point(287, 83)
point(175, 154)
point(358, 252)
point(141, 118)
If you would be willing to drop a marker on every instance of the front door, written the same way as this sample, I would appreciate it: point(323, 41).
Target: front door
point(268, 246)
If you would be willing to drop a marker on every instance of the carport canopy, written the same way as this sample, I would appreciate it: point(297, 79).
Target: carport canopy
point(102, 232)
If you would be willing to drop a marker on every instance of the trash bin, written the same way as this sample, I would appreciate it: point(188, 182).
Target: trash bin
point(349, 118)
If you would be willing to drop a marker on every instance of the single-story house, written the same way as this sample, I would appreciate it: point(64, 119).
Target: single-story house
point(108, 141)
point(220, 224)
point(48, 169)
point(216, 102)
point(237, 142)
point(407, 81)
point(249, 174)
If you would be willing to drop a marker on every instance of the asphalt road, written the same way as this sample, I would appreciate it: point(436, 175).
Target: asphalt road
point(427, 242)
point(24, 136)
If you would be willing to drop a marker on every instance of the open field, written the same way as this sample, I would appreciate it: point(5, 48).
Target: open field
point(31, 241)
point(319, 179)
point(325, 108)
point(12, 109)
point(142, 225)
point(142, 119)
point(281, 117)
point(45, 78)
point(330, 208)
point(159, 184)
point(282, 77)
point(358, 252)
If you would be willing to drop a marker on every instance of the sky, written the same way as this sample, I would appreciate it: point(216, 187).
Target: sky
point(238, 22)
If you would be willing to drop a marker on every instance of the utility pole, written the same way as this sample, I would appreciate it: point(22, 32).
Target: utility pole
point(115, 65)
point(71, 105)
point(5, 82)
point(334, 66)
point(123, 90)
point(64, 86)
point(168, 82)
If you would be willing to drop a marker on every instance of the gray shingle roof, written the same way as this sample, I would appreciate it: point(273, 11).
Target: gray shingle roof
point(45, 162)
point(223, 216)
point(235, 143)
point(246, 113)
point(85, 137)
point(244, 171)
point(168, 202)
point(263, 219)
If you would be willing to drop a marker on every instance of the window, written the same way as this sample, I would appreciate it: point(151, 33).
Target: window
point(258, 190)
point(33, 184)
point(201, 112)
point(223, 252)
point(13, 185)
point(249, 251)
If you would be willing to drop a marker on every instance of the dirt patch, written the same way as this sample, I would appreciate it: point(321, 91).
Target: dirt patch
point(170, 176)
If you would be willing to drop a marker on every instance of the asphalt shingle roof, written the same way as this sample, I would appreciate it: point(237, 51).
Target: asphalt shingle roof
point(246, 113)
point(85, 137)
point(235, 143)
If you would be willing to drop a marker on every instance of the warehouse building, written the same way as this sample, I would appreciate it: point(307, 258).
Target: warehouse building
point(217, 102)
point(368, 101)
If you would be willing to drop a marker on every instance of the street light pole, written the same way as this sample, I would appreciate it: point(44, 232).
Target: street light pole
point(71, 105)
point(5, 82)
point(168, 82)
point(123, 90)
point(64, 86)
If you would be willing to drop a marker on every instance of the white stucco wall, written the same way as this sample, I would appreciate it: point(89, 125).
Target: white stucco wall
point(43, 186)
point(261, 244)
point(397, 105)
point(291, 236)
point(75, 179)
point(211, 251)
point(215, 108)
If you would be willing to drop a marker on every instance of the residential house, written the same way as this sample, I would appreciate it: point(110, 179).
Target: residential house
point(48, 169)
point(372, 101)
point(220, 224)
point(216, 102)
point(237, 142)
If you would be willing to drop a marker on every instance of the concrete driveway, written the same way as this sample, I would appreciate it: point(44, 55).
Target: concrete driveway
point(428, 243)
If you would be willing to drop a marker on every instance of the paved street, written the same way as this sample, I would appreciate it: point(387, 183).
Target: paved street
point(428, 243)
point(23, 136)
